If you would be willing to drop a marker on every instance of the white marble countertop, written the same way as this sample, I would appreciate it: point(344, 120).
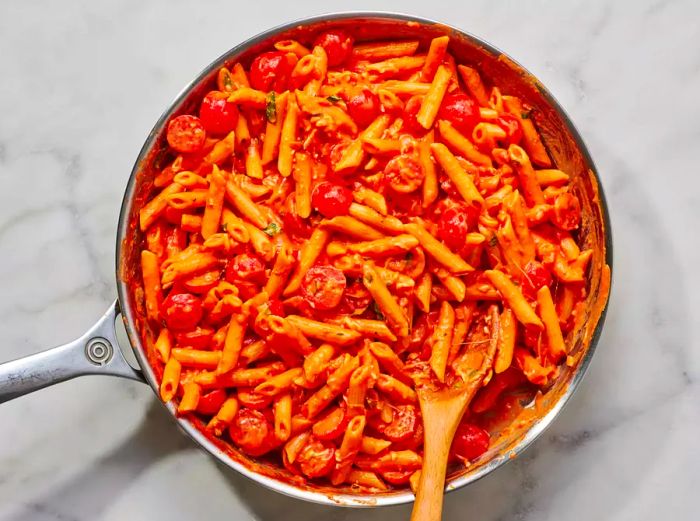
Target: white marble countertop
point(81, 85)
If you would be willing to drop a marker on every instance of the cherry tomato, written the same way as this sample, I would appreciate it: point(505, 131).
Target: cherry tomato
point(364, 107)
point(414, 441)
point(186, 134)
point(486, 396)
point(276, 307)
point(532, 336)
point(247, 290)
point(249, 398)
point(337, 44)
point(330, 199)
point(403, 174)
point(535, 275)
point(317, 458)
point(181, 311)
point(460, 110)
point(251, 431)
point(199, 338)
point(410, 123)
point(332, 425)
point(397, 477)
point(453, 227)
point(270, 71)
point(200, 284)
point(247, 268)
point(422, 329)
point(173, 215)
point(403, 424)
point(211, 402)
point(323, 287)
point(511, 125)
point(355, 299)
point(291, 222)
point(567, 211)
point(470, 441)
point(216, 113)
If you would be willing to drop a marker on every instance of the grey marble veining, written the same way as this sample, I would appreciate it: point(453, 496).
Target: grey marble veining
point(83, 82)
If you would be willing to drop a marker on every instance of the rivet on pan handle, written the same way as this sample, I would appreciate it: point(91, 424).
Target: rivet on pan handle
point(95, 352)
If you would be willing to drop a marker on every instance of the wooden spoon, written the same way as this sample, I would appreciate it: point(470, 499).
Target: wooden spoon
point(442, 409)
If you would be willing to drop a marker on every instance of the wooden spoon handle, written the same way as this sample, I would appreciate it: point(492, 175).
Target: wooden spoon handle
point(428, 505)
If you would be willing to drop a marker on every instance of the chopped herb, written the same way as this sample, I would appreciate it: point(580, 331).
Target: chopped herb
point(272, 229)
point(493, 241)
point(226, 80)
point(369, 279)
point(378, 311)
point(271, 109)
point(409, 256)
point(525, 115)
point(333, 99)
point(224, 227)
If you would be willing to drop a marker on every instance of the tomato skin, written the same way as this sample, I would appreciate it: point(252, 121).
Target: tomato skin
point(317, 458)
point(364, 107)
point(181, 311)
point(186, 134)
point(270, 71)
point(211, 402)
point(251, 431)
point(567, 211)
point(216, 113)
point(460, 110)
point(509, 123)
point(403, 425)
point(453, 227)
point(331, 200)
point(410, 123)
point(535, 275)
point(403, 174)
point(247, 268)
point(199, 338)
point(337, 44)
point(470, 441)
point(323, 287)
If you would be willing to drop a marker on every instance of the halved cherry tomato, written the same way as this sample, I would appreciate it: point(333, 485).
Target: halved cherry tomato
point(470, 441)
point(270, 71)
point(414, 441)
point(173, 215)
point(337, 44)
point(486, 396)
point(460, 110)
point(567, 211)
point(181, 311)
point(331, 425)
point(403, 174)
point(249, 398)
point(186, 134)
point(246, 289)
point(317, 458)
point(251, 431)
point(453, 227)
point(200, 284)
point(323, 287)
point(511, 125)
point(276, 307)
point(217, 114)
point(403, 424)
point(356, 299)
point(199, 338)
point(331, 199)
point(364, 107)
point(410, 123)
point(210, 403)
point(535, 275)
point(247, 268)
point(397, 477)
point(420, 332)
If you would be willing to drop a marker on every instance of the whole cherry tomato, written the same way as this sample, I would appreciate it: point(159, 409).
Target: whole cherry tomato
point(181, 311)
point(364, 107)
point(251, 431)
point(460, 110)
point(410, 123)
point(270, 71)
point(470, 441)
point(535, 275)
point(317, 458)
point(247, 268)
point(453, 227)
point(403, 424)
point(331, 199)
point(511, 125)
point(323, 287)
point(217, 114)
point(186, 134)
point(567, 211)
point(210, 403)
point(403, 174)
point(337, 44)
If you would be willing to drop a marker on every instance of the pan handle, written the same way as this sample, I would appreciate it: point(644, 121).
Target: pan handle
point(95, 352)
